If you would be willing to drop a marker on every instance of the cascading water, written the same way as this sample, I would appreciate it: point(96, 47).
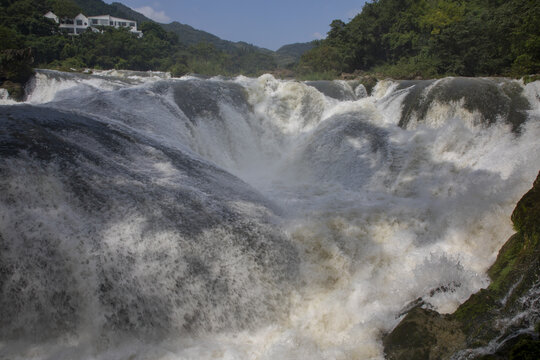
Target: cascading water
point(144, 217)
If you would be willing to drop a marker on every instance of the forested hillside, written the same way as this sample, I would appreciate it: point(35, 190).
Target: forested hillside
point(22, 25)
point(396, 38)
point(429, 38)
point(289, 55)
point(186, 34)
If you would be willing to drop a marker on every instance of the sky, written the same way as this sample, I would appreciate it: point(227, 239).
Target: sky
point(265, 23)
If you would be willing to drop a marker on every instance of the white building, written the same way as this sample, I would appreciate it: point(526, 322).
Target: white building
point(108, 20)
point(81, 23)
point(75, 26)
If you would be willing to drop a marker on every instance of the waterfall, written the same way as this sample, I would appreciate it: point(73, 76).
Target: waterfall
point(150, 217)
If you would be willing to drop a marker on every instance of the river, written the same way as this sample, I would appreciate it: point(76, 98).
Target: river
point(149, 217)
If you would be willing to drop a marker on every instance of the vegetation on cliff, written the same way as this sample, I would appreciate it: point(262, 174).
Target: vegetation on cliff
point(492, 316)
point(432, 38)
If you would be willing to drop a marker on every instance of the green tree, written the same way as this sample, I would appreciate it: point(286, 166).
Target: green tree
point(64, 8)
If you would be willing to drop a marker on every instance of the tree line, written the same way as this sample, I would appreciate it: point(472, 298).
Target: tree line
point(23, 25)
point(431, 38)
point(396, 38)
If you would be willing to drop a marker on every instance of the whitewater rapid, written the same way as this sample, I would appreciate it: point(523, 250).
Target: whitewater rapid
point(149, 217)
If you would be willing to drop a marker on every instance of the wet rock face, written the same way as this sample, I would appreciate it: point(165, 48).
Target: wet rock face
point(492, 98)
point(494, 323)
point(424, 334)
point(334, 89)
point(526, 216)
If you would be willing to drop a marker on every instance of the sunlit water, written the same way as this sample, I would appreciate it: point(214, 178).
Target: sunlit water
point(145, 217)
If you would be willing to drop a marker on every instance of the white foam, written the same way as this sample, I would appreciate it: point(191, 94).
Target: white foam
point(424, 216)
point(5, 99)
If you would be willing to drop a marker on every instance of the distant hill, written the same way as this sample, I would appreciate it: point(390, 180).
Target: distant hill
point(187, 34)
point(287, 55)
point(191, 36)
point(127, 11)
point(296, 50)
point(291, 53)
point(98, 7)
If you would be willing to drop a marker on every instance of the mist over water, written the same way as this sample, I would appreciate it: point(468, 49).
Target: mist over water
point(146, 217)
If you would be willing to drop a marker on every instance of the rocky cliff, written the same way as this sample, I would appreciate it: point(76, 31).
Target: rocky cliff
point(500, 322)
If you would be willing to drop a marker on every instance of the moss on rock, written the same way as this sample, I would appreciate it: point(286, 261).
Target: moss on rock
point(425, 334)
point(525, 349)
point(526, 215)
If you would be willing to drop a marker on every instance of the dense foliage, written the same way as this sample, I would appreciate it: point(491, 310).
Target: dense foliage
point(22, 25)
point(428, 38)
point(397, 38)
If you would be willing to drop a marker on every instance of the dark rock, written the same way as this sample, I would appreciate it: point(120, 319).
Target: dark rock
point(369, 82)
point(526, 215)
point(424, 334)
point(526, 348)
point(332, 89)
point(493, 98)
point(15, 71)
point(15, 90)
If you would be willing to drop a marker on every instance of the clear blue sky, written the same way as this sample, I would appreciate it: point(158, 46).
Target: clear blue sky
point(265, 23)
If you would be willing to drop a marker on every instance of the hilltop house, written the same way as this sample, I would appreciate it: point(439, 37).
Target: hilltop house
point(81, 23)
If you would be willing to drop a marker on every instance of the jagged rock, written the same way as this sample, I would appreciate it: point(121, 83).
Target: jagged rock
point(369, 82)
point(426, 334)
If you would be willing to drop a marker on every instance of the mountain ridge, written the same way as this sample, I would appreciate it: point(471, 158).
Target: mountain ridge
point(187, 34)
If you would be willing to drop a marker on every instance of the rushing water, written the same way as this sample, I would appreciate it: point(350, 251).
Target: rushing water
point(145, 217)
